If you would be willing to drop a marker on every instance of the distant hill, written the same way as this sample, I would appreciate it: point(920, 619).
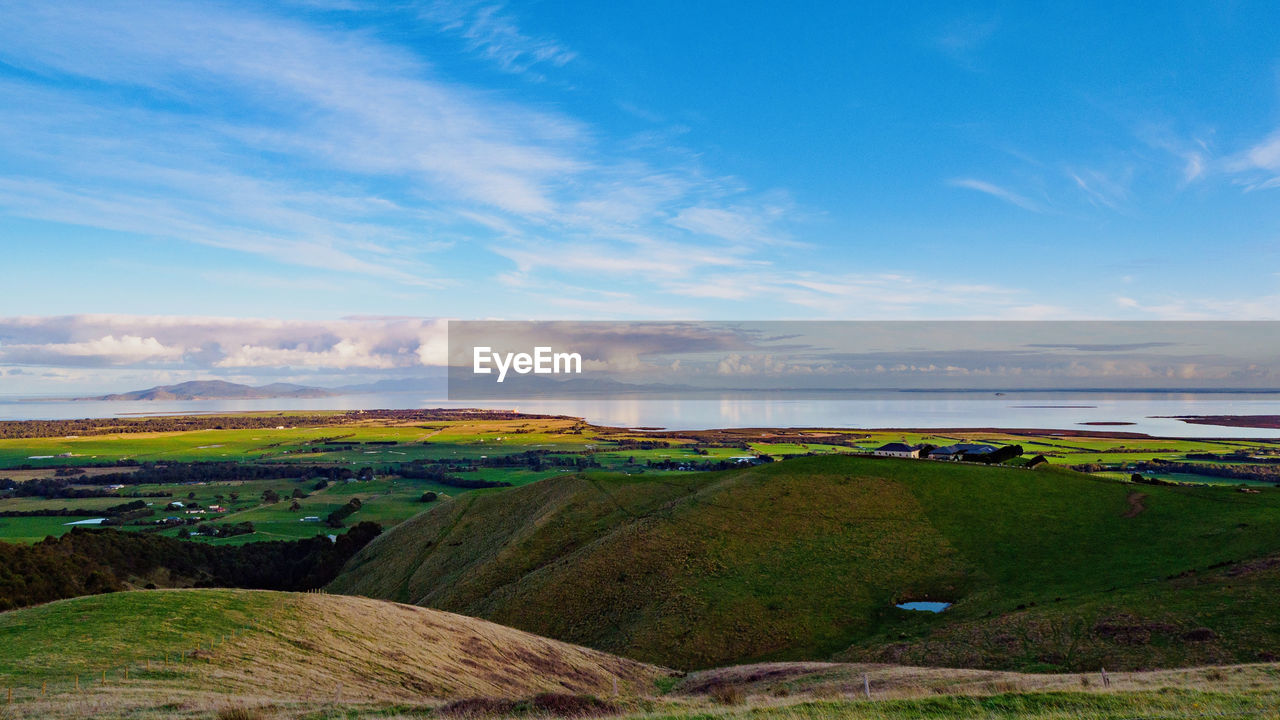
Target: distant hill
point(218, 390)
point(271, 646)
point(437, 384)
point(806, 559)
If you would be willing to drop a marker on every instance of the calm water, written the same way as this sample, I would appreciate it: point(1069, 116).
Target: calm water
point(925, 606)
point(1057, 411)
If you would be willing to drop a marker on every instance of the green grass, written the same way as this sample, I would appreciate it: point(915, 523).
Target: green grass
point(88, 635)
point(805, 559)
point(34, 529)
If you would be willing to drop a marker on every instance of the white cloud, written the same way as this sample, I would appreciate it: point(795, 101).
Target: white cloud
point(493, 33)
point(1265, 155)
point(105, 350)
point(206, 343)
point(1102, 188)
point(1256, 168)
point(996, 191)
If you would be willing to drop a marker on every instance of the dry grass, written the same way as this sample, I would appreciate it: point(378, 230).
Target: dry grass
point(323, 656)
point(726, 693)
point(332, 650)
point(361, 649)
point(818, 691)
point(240, 713)
point(894, 682)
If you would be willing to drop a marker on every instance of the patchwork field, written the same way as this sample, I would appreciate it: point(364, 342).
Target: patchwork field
point(386, 441)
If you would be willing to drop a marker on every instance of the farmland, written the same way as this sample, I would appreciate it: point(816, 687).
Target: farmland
point(384, 441)
point(693, 550)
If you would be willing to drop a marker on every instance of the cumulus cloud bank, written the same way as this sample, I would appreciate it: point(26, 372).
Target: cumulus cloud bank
point(221, 344)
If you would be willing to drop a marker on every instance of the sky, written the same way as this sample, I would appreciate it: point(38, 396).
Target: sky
point(286, 189)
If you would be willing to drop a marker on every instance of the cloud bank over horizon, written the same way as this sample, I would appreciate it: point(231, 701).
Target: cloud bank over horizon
point(81, 353)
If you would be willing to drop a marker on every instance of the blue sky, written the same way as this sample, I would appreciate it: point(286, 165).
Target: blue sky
point(306, 162)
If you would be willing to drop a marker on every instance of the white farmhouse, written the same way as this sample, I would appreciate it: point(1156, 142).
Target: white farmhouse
point(897, 450)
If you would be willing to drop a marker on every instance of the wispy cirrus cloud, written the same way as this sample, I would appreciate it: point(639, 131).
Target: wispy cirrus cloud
point(317, 148)
point(998, 192)
point(1258, 166)
point(490, 30)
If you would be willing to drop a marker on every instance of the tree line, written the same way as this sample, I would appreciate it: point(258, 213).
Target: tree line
point(87, 562)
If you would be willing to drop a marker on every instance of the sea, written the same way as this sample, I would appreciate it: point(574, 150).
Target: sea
point(1149, 413)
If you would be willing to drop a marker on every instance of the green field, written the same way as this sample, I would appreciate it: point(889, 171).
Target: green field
point(387, 500)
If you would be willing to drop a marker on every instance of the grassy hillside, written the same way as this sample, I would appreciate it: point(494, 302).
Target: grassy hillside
point(270, 646)
point(254, 655)
point(805, 559)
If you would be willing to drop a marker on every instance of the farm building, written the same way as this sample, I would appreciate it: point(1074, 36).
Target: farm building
point(897, 450)
point(960, 451)
point(950, 452)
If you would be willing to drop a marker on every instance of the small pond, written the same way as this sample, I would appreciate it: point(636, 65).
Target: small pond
point(924, 606)
point(93, 521)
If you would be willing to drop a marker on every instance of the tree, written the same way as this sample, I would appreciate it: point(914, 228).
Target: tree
point(299, 493)
point(428, 497)
point(295, 506)
point(270, 496)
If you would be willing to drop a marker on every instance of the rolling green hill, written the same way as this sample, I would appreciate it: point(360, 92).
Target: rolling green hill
point(805, 559)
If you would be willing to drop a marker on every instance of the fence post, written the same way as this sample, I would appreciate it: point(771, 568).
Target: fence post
point(1106, 681)
point(866, 685)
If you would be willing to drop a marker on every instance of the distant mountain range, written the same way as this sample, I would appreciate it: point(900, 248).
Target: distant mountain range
point(223, 390)
point(218, 390)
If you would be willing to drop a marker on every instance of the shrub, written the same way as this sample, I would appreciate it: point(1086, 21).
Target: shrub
point(726, 693)
point(563, 705)
point(478, 707)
